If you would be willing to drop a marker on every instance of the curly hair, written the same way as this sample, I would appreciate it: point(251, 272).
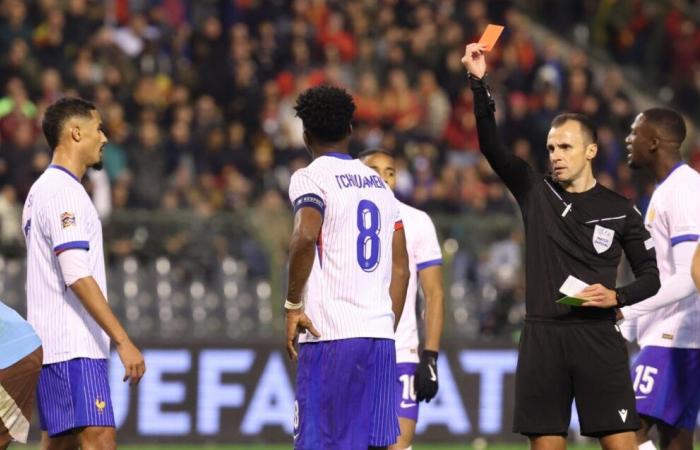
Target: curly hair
point(326, 112)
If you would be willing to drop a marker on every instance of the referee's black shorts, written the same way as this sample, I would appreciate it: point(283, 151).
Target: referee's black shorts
point(560, 361)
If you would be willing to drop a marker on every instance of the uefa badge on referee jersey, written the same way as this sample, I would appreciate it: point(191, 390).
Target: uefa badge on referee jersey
point(602, 238)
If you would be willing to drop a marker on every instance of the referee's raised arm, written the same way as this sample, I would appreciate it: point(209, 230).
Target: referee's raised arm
point(514, 171)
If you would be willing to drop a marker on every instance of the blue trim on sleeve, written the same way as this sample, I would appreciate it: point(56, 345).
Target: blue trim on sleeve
point(426, 264)
point(339, 155)
point(85, 245)
point(310, 200)
point(56, 166)
point(684, 238)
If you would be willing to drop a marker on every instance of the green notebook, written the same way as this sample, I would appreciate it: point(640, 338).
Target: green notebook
point(571, 301)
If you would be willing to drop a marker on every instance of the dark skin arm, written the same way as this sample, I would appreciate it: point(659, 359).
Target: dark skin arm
point(302, 251)
point(399, 274)
point(90, 295)
point(431, 282)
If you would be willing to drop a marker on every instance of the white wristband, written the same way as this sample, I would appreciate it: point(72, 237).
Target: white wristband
point(293, 306)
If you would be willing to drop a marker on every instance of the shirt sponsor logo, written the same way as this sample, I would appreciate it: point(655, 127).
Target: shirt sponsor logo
point(67, 219)
point(602, 238)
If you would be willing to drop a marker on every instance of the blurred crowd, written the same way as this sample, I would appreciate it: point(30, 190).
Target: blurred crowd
point(197, 97)
point(659, 39)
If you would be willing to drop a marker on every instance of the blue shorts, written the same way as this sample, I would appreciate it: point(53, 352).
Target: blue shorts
point(74, 394)
point(667, 384)
point(345, 395)
point(406, 403)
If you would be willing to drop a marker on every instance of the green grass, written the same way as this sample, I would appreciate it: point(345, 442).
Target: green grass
point(591, 446)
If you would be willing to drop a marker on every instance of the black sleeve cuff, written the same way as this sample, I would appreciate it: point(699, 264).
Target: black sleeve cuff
point(620, 297)
point(483, 102)
point(478, 83)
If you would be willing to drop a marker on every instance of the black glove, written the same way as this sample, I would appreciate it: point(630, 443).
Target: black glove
point(426, 381)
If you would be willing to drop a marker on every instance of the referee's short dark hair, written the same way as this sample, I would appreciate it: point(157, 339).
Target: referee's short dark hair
point(373, 151)
point(58, 113)
point(667, 120)
point(587, 124)
point(326, 112)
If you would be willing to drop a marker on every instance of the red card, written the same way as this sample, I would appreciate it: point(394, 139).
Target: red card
point(490, 36)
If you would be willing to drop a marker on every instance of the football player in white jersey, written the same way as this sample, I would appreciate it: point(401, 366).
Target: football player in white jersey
point(666, 372)
point(348, 274)
point(417, 378)
point(66, 287)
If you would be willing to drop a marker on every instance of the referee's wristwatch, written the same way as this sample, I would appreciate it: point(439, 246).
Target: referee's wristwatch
point(620, 298)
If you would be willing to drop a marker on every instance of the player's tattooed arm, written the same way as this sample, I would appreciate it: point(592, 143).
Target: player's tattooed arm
point(399, 274)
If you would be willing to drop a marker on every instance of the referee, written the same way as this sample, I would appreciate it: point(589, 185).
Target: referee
point(575, 228)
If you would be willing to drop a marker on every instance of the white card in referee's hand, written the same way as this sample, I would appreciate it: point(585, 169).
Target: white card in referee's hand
point(570, 288)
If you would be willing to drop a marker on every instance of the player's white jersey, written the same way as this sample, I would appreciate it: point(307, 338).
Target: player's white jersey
point(59, 215)
point(347, 293)
point(423, 251)
point(673, 217)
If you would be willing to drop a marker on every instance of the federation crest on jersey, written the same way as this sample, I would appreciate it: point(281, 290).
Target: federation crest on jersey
point(602, 238)
point(651, 215)
point(67, 219)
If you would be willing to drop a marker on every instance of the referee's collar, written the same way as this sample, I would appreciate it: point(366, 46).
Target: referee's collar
point(61, 168)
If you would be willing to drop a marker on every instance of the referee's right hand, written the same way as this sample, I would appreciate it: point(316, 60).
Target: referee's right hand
point(474, 60)
point(297, 321)
point(132, 359)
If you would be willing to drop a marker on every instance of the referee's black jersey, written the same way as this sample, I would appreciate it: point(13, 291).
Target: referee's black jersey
point(580, 234)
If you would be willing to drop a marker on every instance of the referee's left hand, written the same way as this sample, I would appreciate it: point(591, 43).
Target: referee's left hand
point(426, 379)
point(297, 321)
point(598, 296)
